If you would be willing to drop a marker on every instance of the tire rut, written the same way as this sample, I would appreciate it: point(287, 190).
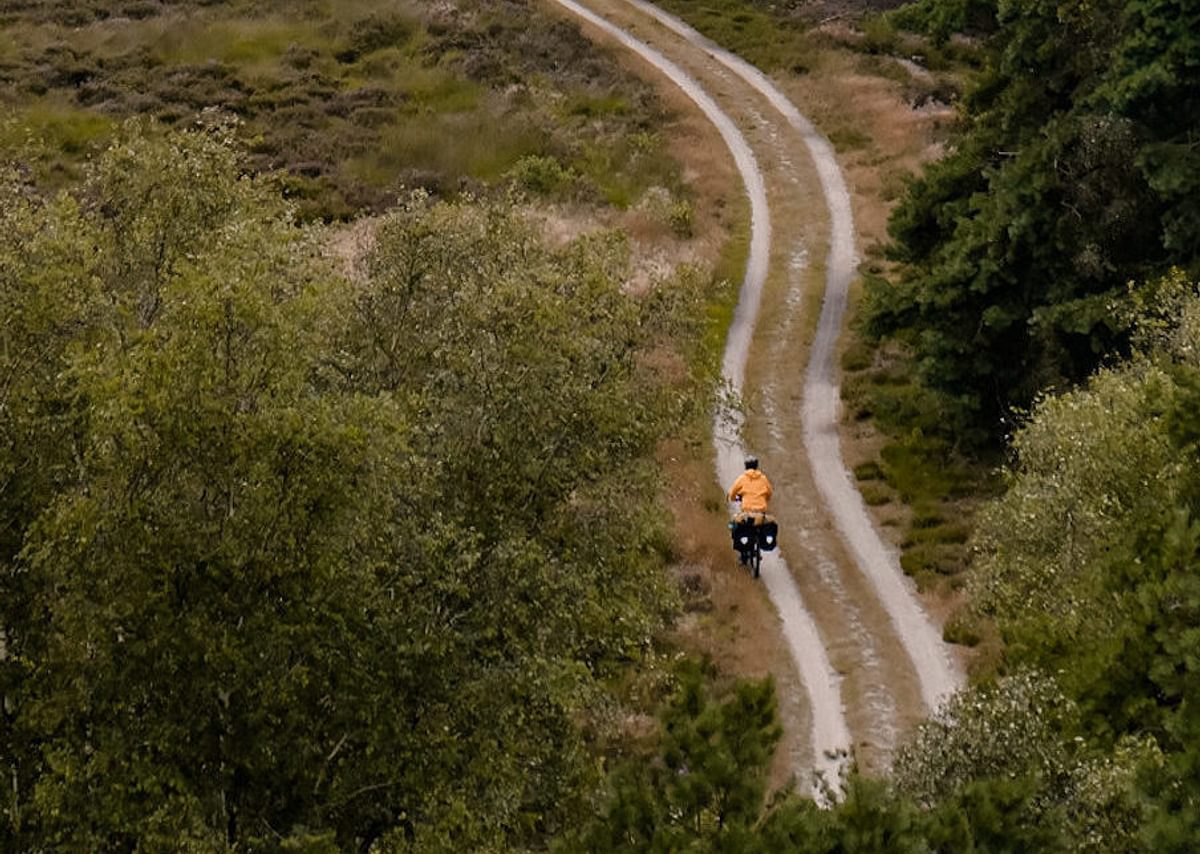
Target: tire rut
point(870, 660)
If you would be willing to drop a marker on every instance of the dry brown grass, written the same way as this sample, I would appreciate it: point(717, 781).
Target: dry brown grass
point(879, 136)
point(897, 139)
point(728, 616)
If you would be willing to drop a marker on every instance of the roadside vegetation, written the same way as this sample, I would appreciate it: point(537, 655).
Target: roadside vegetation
point(293, 560)
point(350, 101)
point(306, 546)
point(1035, 313)
point(921, 465)
point(301, 557)
point(1045, 295)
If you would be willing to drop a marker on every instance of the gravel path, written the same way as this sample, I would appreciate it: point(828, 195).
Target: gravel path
point(938, 672)
point(830, 736)
point(932, 663)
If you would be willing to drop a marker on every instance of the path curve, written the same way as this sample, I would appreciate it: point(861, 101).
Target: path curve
point(921, 668)
point(830, 736)
point(938, 672)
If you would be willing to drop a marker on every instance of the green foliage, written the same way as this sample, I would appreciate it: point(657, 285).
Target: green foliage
point(875, 494)
point(869, 817)
point(1155, 83)
point(879, 34)
point(1097, 467)
point(919, 466)
point(622, 171)
point(995, 770)
point(289, 560)
point(1070, 179)
point(1012, 729)
point(541, 175)
point(705, 789)
point(868, 471)
point(1013, 741)
point(990, 774)
point(682, 218)
point(353, 101)
point(771, 41)
point(1089, 561)
point(195, 578)
point(858, 356)
point(962, 629)
point(374, 32)
point(941, 19)
point(65, 132)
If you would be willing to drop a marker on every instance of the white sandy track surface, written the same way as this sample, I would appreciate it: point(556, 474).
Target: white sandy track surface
point(867, 618)
point(830, 737)
point(936, 668)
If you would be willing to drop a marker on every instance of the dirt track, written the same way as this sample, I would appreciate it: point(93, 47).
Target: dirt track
point(869, 660)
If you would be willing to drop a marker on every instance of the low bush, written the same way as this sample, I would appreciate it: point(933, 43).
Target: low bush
point(963, 629)
point(682, 218)
point(377, 30)
point(918, 464)
point(857, 356)
point(351, 111)
point(868, 471)
point(875, 493)
point(765, 38)
point(878, 34)
point(923, 560)
point(542, 175)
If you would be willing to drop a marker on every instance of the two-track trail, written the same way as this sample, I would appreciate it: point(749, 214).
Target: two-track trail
point(870, 661)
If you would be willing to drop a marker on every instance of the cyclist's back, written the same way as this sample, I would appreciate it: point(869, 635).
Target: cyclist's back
point(752, 488)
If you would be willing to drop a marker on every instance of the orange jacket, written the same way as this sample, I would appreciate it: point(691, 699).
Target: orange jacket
point(754, 489)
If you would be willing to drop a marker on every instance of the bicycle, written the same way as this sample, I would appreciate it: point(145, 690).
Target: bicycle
point(752, 536)
point(749, 549)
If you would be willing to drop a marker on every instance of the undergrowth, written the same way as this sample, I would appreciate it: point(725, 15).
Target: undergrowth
point(764, 38)
point(350, 102)
point(919, 465)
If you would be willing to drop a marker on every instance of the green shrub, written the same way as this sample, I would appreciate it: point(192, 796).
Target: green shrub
point(541, 174)
point(66, 129)
point(379, 30)
point(924, 559)
point(916, 467)
point(879, 34)
point(858, 356)
point(925, 516)
point(848, 139)
point(868, 471)
point(875, 493)
point(951, 533)
point(962, 629)
point(681, 218)
point(590, 106)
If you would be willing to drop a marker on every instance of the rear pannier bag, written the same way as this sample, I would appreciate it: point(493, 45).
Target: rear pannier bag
point(768, 536)
point(743, 534)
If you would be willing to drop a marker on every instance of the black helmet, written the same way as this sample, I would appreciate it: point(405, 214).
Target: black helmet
point(751, 462)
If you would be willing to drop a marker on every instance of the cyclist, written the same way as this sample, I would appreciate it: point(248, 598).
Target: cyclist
point(753, 490)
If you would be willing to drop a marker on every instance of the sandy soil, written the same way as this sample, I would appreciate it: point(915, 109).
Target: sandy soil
point(867, 662)
point(829, 734)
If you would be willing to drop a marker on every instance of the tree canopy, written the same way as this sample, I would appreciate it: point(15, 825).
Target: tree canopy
point(291, 557)
point(1073, 174)
point(1088, 562)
